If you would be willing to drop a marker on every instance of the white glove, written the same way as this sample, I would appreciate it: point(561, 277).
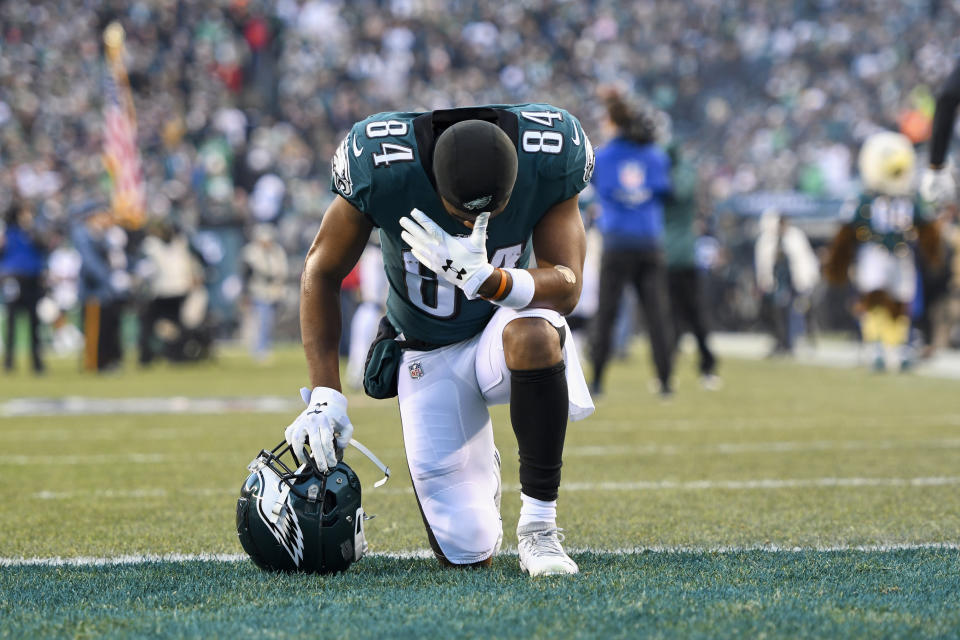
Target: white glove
point(937, 185)
point(461, 261)
point(324, 420)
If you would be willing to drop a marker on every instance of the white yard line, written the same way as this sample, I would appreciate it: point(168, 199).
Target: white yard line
point(769, 483)
point(81, 405)
point(106, 458)
point(158, 405)
point(637, 485)
point(177, 558)
point(735, 448)
point(572, 451)
point(771, 423)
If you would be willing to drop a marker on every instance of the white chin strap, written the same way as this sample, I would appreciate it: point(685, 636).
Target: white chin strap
point(375, 460)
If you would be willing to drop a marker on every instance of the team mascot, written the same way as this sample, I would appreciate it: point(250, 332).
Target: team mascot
point(881, 229)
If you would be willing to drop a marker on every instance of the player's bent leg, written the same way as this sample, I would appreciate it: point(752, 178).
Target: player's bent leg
point(538, 402)
point(468, 539)
point(533, 352)
point(501, 381)
point(449, 444)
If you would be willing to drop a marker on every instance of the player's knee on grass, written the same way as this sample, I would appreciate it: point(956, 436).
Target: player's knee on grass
point(531, 343)
point(468, 536)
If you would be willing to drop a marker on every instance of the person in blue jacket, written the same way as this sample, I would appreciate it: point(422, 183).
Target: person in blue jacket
point(23, 260)
point(632, 180)
point(104, 283)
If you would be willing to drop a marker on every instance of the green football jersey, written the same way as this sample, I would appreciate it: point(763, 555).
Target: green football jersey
point(890, 221)
point(384, 168)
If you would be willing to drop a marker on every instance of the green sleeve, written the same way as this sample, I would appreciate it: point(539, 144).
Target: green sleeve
point(350, 177)
point(579, 164)
point(555, 142)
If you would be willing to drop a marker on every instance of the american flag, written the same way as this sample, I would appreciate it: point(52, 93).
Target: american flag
point(120, 153)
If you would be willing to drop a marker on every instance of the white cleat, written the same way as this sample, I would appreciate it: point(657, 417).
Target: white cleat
point(540, 550)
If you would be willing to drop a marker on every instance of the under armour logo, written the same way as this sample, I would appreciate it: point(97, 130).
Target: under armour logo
point(449, 267)
point(318, 409)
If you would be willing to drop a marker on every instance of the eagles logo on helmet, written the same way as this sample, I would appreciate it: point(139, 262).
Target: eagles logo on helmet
point(302, 520)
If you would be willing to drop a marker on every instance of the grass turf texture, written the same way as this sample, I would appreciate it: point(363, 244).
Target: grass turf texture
point(110, 485)
point(750, 594)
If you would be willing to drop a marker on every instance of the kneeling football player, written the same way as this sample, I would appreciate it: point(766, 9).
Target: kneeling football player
point(462, 198)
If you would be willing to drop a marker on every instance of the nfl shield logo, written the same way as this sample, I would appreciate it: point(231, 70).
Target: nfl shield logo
point(416, 371)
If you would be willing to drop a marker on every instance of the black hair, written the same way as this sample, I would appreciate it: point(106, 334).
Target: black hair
point(636, 123)
point(13, 210)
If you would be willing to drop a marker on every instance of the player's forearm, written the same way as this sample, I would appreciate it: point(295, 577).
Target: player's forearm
point(556, 288)
point(320, 328)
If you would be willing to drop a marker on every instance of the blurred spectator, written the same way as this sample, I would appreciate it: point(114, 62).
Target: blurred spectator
point(632, 178)
point(170, 272)
point(23, 259)
point(265, 275)
point(683, 275)
point(63, 276)
point(373, 303)
point(104, 284)
point(787, 271)
point(773, 96)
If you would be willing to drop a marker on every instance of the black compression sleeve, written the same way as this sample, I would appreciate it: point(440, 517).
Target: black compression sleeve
point(943, 118)
point(538, 411)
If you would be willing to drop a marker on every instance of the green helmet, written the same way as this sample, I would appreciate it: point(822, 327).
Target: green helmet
point(300, 520)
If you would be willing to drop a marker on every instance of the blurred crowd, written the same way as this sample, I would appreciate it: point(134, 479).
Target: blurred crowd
point(241, 103)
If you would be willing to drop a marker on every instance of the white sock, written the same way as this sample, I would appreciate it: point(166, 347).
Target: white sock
point(533, 510)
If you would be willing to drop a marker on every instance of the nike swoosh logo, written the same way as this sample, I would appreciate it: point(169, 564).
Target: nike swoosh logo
point(576, 135)
point(357, 151)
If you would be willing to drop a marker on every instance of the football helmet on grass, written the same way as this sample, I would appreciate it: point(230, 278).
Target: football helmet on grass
point(299, 519)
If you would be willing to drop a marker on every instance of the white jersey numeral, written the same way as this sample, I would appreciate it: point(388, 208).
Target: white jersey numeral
point(432, 295)
point(384, 128)
point(437, 297)
point(542, 141)
point(544, 118)
point(390, 152)
point(506, 257)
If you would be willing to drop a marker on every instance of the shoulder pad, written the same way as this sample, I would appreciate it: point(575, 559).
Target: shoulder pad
point(376, 141)
point(348, 176)
point(563, 149)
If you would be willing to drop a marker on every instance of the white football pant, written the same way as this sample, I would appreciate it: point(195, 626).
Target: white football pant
point(444, 395)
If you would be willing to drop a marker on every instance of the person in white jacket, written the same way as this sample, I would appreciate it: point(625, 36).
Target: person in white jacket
point(787, 271)
point(265, 270)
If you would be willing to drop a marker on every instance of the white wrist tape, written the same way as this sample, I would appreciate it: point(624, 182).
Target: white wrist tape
point(521, 292)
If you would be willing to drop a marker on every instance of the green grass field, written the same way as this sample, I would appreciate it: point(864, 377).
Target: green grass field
point(796, 502)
